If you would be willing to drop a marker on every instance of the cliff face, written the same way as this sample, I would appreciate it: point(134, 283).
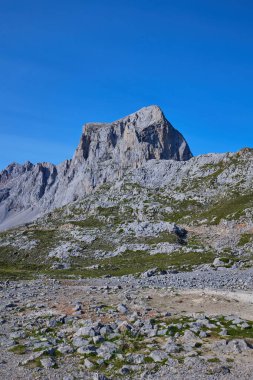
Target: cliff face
point(105, 152)
point(131, 141)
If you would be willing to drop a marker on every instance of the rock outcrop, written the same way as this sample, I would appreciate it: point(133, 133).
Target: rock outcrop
point(105, 153)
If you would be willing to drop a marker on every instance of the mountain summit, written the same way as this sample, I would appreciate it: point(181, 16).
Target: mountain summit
point(132, 140)
point(105, 153)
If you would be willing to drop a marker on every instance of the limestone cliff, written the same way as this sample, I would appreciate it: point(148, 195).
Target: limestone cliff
point(105, 152)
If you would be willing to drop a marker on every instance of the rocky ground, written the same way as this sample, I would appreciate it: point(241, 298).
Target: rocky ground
point(128, 327)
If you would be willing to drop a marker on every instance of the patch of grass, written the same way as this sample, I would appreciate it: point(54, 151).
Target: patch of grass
point(163, 237)
point(133, 262)
point(19, 349)
point(232, 208)
point(244, 239)
point(89, 222)
point(235, 331)
point(213, 360)
point(22, 271)
point(34, 363)
point(148, 360)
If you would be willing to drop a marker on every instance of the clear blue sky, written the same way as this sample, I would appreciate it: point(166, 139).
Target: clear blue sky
point(64, 63)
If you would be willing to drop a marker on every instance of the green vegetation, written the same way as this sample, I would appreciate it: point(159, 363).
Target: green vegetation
point(19, 349)
point(244, 239)
point(213, 360)
point(232, 208)
point(133, 262)
point(225, 208)
point(163, 237)
point(90, 222)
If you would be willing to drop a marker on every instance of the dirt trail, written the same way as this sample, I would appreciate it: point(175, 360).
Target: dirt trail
point(210, 302)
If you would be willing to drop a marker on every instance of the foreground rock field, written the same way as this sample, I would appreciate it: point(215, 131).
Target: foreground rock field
point(126, 328)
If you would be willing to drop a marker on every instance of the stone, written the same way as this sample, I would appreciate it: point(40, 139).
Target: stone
point(86, 331)
point(65, 349)
point(122, 309)
point(237, 346)
point(87, 350)
point(47, 362)
point(97, 339)
point(99, 376)
point(158, 355)
point(218, 262)
point(171, 348)
point(79, 341)
point(88, 364)
point(107, 347)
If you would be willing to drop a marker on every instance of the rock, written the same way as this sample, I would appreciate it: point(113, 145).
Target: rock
point(237, 346)
point(125, 370)
point(32, 357)
point(87, 350)
point(78, 306)
point(122, 309)
point(171, 348)
point(107, 348)
point(99, 376)
point(79, 342)
point(47, 362)
point(97, 339)
point(105, 330)
point(218, 262)
point(86, 331)
point(223, 332)
point(65, 349)
point(124, 326)
point(245, 325)
point(135, 358)
point(158, 355)
point(88, 364)
point(189, 336)
point(149, 273)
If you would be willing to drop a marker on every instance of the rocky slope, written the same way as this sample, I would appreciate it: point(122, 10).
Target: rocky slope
point(166, 214)
point(106, 151)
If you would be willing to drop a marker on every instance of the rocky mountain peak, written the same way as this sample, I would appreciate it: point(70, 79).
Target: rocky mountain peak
point(106, 152)
point(132, 140)
point(143, 118)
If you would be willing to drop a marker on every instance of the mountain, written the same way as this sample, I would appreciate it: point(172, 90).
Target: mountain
point(132, 198)
point(105, 153)
point(138, 263)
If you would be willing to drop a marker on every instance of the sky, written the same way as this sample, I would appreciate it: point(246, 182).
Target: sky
point(65, 63)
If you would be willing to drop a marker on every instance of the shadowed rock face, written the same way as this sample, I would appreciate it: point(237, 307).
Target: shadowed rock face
point(105, 152)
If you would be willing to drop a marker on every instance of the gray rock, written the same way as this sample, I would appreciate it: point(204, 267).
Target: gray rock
point(237, 346)
point(88, 364)
point(47, 362)
point(65, 349)
point(107, 348)
point(122, 309)
point(79, 341)
point(158, 355)
point(88, 350)
point(86, 331)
